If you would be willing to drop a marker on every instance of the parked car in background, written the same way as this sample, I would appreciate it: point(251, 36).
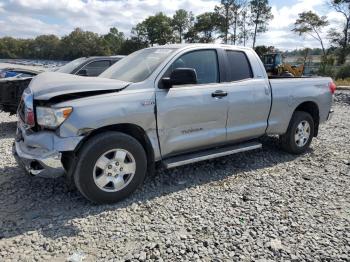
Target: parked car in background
point(14, 81)
point(175, 104)
point(18, 72)
point(89, 66)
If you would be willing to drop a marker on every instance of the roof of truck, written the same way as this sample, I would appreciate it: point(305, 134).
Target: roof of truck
point(181, 46)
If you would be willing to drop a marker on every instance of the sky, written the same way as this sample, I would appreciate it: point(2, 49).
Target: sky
point(30, 18)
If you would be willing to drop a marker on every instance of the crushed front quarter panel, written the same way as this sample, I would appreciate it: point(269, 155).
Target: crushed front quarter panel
point(135, 107)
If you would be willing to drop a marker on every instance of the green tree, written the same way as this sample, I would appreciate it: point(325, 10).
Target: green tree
point(225, 15)
point(228, 13)
point(45, 47)
point(131, 45)
point(14, 48)
point(81, 43)
point(244, 31)
point(191, 35)
point(239, 13)
point(204, 27)
point(78, 43)
point(139, 32)
point(263, 50)
point(343, 72)
point(341, 39)
point(155, 30)
point(310, 23)
point(114, 41)
point(181, 22)
point(260, 15)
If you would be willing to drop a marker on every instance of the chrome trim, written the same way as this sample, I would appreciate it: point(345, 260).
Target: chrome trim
point(302, 133)
point(330, 114)
point(114, 170)
point(211, 156)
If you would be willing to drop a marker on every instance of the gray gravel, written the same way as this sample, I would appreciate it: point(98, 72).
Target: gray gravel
point(257, 206)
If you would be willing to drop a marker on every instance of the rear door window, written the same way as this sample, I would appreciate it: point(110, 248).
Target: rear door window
point(239, 66)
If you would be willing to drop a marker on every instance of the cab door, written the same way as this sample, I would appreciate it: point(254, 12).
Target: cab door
point(249, 99)
point(192, 117)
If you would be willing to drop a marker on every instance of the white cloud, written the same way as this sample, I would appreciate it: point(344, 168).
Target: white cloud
point(280, 34)
point(26, 27)
point(2, 8)
point(99, 16)
point(286, 15)
point(29, 18)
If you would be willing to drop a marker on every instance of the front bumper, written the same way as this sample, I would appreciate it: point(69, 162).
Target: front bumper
point(39, 153)
point(36, 162)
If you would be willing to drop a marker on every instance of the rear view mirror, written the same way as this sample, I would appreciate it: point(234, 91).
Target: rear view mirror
point(180, 76)
point(82, 72)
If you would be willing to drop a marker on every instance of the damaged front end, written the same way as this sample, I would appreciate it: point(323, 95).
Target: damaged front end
point(40, 146)
point(37, 162)
point(39, 153)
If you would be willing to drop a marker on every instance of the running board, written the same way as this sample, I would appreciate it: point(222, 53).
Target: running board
point(209, 154)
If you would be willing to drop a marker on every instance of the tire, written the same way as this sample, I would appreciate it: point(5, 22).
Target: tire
point(293, 143)
point(99, 176)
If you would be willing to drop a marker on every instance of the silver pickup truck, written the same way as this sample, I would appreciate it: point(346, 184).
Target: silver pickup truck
point(173, 104)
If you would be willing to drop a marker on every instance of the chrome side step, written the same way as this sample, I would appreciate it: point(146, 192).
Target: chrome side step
point(209, 154)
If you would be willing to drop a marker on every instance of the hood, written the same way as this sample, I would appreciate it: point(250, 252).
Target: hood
point(51, 84)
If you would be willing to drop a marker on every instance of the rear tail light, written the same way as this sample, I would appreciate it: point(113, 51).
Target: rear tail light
point(29, 117)
point(332, 87)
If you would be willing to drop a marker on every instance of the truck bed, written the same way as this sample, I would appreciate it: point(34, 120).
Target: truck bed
point(289, 92)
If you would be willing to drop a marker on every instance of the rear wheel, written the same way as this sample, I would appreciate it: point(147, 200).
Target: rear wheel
point(110, 167)
point(299, 134)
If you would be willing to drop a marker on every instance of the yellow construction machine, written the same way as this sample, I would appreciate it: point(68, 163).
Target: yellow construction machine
point(275, 66)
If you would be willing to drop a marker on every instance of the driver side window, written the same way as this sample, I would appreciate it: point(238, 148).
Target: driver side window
point(205, 62)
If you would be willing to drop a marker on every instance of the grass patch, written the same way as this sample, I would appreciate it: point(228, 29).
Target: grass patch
point(343, 82)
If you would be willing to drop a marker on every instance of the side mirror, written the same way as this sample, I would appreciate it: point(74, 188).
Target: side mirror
point(82, 72)
point(180, 76)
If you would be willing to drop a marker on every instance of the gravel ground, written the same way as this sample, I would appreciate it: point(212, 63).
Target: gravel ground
point(256, 206)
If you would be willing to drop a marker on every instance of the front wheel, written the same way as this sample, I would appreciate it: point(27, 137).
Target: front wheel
point(299, 134)
point(110, 167)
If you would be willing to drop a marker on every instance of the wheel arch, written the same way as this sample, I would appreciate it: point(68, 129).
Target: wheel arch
point(311, 108)
point(133, 130)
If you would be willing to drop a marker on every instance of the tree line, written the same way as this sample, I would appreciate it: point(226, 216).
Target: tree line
point(232, 22)
point(78, 43)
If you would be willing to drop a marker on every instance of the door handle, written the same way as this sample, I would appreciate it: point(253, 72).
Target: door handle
point(219, 93)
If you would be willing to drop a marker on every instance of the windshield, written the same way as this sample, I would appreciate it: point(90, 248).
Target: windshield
point(68, 68)
point(139, 65)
